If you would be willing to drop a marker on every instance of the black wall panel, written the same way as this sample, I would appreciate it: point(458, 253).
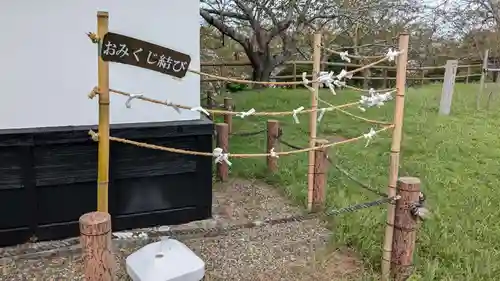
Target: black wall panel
point(48, 179)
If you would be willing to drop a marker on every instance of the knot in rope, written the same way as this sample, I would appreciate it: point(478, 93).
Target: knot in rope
point(220, 156)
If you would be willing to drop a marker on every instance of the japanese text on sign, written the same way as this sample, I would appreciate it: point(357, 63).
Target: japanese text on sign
point(127, 50)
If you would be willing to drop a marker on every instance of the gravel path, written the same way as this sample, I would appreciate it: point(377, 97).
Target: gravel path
point(293, 251)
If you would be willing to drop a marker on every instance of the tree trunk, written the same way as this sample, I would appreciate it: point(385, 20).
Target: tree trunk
point(261, 72)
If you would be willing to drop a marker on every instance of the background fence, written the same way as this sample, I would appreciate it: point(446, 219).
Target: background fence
point(378, 76)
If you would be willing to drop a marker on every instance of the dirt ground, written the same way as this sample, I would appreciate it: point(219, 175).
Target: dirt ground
point(293, 251)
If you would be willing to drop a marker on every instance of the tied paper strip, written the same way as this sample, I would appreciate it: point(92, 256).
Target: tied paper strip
point(273, 153)
point(391, 55)
point(295, 112)
point(369, 136)
point(201, 110)
point(169, 103)
point(327, 79)
point(130, 98)
point(374, 99)
point(220, 156)
point(322, 113)
point(344, 56)
point(344, 74)
point(245, 114)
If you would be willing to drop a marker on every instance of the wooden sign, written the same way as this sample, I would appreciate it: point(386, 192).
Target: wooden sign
point(127, 50)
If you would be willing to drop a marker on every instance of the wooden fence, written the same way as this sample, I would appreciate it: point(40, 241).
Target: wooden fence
point(416, 75)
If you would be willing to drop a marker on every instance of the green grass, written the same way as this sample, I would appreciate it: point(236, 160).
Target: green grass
point(456, 157)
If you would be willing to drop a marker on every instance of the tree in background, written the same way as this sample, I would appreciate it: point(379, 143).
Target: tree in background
point(269, 31)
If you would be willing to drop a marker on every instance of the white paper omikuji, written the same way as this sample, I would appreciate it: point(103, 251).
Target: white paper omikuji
point(166, 260)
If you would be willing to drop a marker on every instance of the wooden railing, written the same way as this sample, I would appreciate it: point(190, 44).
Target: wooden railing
point(416, 74)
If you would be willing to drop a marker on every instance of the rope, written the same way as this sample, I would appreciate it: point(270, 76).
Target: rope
point(364, 90)
point(217, 111)
point(367, 66)
point(356, 116)
point(351, 56)
point(243, 81)
point(95, 137)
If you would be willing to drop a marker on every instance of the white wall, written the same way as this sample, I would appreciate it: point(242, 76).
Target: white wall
point(48, 65)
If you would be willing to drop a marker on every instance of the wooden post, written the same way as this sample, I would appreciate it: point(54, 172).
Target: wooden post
point(103, 128)
point(366, 74)
point(467, 76)
point(405, 226)
point(395, 147)
point(223, 74)
point(313, 117)
point(448, 86)
point(422, 75)
point(228, 118)
point(210, 103)
point(294, 74)
point(222, 130)
point(95, 238)
point(272, 136)
point(384, 73)
point(320, 176)
point(484, 71)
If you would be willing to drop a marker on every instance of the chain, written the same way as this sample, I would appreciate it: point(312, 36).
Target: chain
point(71, 245)
point(340, 169)
point(248, 134)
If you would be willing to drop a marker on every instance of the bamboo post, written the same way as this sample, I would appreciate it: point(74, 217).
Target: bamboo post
point(313, 117)
point(320, 170)
point(228, 118)
point(103, 128)
point(405, 226)
point(395, 147)
point(467, 76)
point(222, 130)
point(272, 137)
point(448, 87)
point(294, 74)
point(95, 238)
point(484, 71)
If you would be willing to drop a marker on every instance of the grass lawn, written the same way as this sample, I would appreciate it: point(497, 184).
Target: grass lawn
point(456, 157)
